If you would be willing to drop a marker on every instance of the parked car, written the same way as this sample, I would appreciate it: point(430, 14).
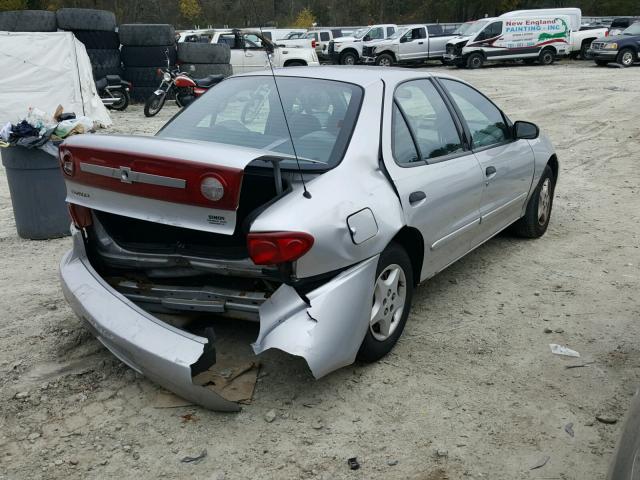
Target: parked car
point(623, 49)
point(620, 24)
point(395, 175)
point(580, 37)
point(533, 38)
point(322, 38)
point(411, 44)
point(274, 34)
point(249, 50)
point(348, 50)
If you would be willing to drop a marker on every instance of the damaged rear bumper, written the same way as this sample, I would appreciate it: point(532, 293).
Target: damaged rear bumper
point(326, 327)
point(157, 350)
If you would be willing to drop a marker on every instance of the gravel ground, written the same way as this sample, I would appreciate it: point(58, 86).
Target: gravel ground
point(471, 390)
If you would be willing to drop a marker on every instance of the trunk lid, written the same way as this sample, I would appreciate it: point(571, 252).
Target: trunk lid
point(156, 180)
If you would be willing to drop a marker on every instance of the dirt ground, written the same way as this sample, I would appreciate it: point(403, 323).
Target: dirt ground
point(471, 391)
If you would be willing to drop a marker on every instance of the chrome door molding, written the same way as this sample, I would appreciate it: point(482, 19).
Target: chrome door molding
point(504, 206)
point(447, 238)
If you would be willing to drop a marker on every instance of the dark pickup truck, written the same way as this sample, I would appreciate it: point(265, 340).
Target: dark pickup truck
point(623, 49)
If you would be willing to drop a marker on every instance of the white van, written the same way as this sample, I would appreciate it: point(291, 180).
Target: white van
point(530, 38)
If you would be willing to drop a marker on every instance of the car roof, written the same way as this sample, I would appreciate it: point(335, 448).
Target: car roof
point(359, 75)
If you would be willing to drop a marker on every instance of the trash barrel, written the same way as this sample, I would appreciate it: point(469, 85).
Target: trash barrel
point(37, 193)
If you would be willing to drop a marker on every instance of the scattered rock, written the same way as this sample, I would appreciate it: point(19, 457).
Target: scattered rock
point(559, 330)
point(442, 453)
point(590, 423)
point(21, 395)
point(136, 456)
point(353, 463)
point(392, 463)
point(317, 425)
point(270, 416)
point(606, 418)
point(58, 462)
point(196, 459)
point(126, 448)
point(547, 330)
point(569, 429)
point(73, 461)
point(33, 436)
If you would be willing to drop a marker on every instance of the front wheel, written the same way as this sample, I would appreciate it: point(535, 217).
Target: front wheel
point(384, 60)
point(585, 52)
point(123, 100)
point(390, 305)
point(536, 218)
point(475, 60)
point(547, 57)
point(154, 104)
point(626, 57)
point(348, 58)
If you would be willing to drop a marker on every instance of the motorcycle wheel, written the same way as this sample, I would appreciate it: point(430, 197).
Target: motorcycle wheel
point(154, 104)
point(123, 100)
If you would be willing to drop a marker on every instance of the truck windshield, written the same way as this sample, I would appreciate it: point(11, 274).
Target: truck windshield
point(474, 27)
point(246, 112)
point(633, 29)
point(399, 33)
point(361, 32)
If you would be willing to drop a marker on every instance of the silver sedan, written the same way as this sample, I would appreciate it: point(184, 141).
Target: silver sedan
point(313, 202)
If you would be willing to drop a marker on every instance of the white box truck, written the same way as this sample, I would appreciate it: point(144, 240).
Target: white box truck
point(530, 38)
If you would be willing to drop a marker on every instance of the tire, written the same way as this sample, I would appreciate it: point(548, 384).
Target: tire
point(86, 19)
point(123, 103)
point(201, 70)
point(376, 344)
point(532, 225)
point(602, 63)
point(189, 52)
point(584, 52)
point(28, 21)
point(147, 56)
point(475, 60)
point(626, 57)
point(348, 58)
point(105, 62)
point(142, 76)
point(147, 34)
point(154, 104)
point(98, 40)
point(547, 57)
point(384, 60)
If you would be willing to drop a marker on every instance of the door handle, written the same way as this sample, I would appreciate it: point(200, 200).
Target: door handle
point(490, 172)
point(417, 197)
point(420, 43)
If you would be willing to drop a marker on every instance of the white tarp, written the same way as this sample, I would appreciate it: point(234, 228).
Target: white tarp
point(44, 70)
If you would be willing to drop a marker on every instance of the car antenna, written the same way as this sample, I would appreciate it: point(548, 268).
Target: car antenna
point(276, 165)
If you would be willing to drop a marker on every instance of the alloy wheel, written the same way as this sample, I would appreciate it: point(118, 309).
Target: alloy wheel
point(389, 297)
point(544, 202)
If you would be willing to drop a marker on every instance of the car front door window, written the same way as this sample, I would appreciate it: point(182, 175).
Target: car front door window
point(485, 121)
point(491, 31)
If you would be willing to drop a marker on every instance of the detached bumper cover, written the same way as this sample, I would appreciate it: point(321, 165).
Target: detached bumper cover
point(157, 350)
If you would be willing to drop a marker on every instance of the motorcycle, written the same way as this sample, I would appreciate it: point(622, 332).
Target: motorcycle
point(185, 88)
point(114, 92)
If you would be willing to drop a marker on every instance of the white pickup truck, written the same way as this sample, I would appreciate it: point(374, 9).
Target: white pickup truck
point(249, 49)
point(580, 37)
point(348, 50)
point(409, 45)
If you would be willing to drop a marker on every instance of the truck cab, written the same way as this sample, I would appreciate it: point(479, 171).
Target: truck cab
point(348, 50)
point(410, 44)
point(322, 38)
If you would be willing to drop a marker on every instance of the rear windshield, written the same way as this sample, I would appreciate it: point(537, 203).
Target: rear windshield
point(246, 112)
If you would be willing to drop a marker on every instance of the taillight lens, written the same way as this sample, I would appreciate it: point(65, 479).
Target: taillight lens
point(212, 189)
point(81, 216)
point(313, 44)
point(272, 248)
point(66, 162)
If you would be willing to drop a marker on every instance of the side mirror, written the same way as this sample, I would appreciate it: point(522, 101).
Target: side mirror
point(526, 130)
point(366, 38)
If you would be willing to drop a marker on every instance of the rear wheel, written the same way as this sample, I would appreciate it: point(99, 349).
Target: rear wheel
point(123, 100)
point(384, 60)
point(536, 218)
point(547, 57)
point(585, 52)
point(626, 57)
point(390, 304)
point(475, 60)
point(154, 104)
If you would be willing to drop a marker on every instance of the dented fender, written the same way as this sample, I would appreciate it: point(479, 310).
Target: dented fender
point(328, 331)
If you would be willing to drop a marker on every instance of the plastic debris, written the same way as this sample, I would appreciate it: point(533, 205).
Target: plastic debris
point(569, 429)
point(543, 461)
point(353, 463)
point(562, 350)
point(196, 459)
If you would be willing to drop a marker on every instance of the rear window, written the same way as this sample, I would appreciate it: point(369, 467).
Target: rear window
point(246, 112)
point(620, 23)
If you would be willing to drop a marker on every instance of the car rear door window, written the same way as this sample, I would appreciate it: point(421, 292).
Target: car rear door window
point(324, 36)
point(429, 120)
point(485, 121)
point(404, 150)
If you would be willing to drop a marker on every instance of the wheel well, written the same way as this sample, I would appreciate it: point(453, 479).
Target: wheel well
point(553, 164)
point(411, 240)
point(388, 52)
point(553, 49)
point(295, 62)
point(587, 40)
point(350, 50)
point(480, 52)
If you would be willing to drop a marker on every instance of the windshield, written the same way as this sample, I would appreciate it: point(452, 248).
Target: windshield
point(472, 28)
point(246, 112)
point(633, 29)
point(361, 32)
point(401, 31)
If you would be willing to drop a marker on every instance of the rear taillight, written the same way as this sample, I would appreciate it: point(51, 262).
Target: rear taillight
point(81, 216)
point(212, 188)
point(271, 248)
point(66, 162)
point(313, 43)
point(606, 34)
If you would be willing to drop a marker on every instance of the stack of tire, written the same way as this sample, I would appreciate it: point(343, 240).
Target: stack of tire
point(28, 21)
point(145, 48)
point(202, 59)
point(97, 30)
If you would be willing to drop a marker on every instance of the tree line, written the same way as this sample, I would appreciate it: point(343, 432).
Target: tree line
point(241, 13)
